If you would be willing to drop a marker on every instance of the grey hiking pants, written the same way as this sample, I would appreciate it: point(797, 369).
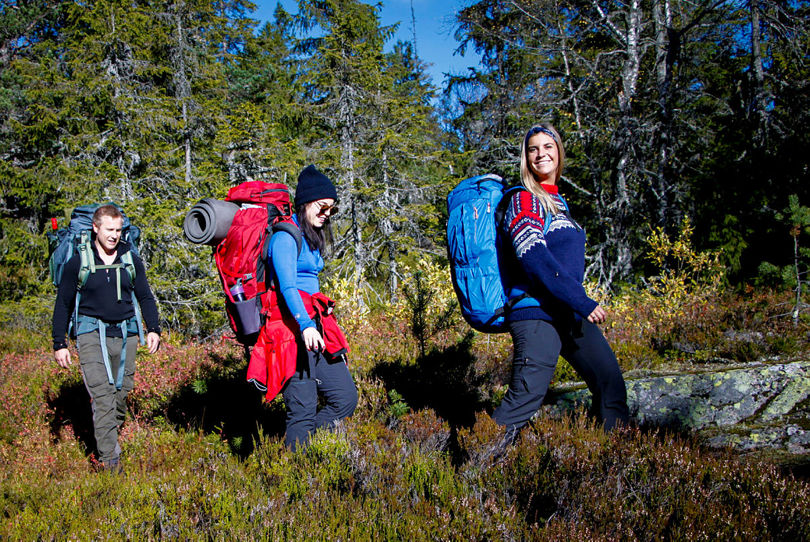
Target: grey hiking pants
point(109, 404)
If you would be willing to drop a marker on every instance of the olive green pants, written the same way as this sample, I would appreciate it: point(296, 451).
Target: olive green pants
point(109, 404)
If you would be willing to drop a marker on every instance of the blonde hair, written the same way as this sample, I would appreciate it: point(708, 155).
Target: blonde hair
point(527, 178)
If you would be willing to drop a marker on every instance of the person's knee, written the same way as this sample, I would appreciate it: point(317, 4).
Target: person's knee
point(613, 386)
point(348, 402)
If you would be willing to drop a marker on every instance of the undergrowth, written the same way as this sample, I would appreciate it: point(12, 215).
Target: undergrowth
point(421, 458)
point(395, 470)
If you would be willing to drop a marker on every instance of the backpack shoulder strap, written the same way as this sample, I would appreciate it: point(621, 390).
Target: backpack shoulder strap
point(87, 263)
point(567, 214)
point(129, 265)
point(500, 209)
point(547, 221)
point(292, 229)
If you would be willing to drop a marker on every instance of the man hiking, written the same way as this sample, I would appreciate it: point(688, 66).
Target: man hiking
point(104, 314)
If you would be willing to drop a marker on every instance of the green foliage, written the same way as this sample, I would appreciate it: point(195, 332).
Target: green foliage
point(687, 315)
point(398, 407)
point(156, 106)
point(419, 300)
point(636, 485)
point(797, 219)
point(204, 460)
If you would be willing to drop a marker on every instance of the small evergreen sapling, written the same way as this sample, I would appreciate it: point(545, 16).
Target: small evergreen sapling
point(797, 218)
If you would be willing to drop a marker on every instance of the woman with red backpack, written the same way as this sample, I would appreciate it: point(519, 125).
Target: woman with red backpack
point(320, 347)
point(552, 314)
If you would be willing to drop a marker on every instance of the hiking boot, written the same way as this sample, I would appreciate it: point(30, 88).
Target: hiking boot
point(113, 465)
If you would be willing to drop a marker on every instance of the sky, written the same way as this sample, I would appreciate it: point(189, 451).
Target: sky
point(434, 30)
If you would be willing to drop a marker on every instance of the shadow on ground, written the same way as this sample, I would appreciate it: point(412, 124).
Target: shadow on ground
point(228, 405)
point(71, 408)
point(442, 380)
point(223, 403)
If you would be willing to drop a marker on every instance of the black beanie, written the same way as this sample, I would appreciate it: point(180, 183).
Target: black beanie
point(313, 185)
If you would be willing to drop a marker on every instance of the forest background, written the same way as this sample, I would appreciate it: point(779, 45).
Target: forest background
point(671, 110)
point(687, 163)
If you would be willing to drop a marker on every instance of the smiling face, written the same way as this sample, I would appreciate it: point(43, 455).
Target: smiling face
point(543, 157)
point(108, 233)
point(318, 211)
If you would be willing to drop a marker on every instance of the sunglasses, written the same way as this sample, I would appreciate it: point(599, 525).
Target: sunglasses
point(326, 210)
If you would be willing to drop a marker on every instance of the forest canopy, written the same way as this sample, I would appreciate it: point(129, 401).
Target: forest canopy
point(670, 110)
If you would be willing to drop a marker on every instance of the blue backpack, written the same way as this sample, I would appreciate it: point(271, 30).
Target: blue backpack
point(473, 249)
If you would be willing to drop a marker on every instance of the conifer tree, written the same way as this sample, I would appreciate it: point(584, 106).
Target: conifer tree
point(651, 97)
point(373, 128)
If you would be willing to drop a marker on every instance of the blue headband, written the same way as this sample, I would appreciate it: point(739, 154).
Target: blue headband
point(539, 129)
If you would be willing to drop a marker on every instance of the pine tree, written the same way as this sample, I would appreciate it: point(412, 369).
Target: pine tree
point(372, 127)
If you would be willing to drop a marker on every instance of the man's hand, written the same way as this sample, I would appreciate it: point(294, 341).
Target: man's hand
point(62, 357)
point(312, 339)
point(153, 342)
point(598, 316)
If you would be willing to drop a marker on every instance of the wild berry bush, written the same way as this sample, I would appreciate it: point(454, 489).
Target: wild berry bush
point(687, 313)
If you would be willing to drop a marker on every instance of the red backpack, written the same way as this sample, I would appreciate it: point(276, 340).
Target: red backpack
point(264, 209)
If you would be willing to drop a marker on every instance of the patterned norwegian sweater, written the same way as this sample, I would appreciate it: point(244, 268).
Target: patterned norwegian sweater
point(550, 267)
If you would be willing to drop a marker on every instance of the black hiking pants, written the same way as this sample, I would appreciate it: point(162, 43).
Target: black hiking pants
point(315, 377)
point(538, 345)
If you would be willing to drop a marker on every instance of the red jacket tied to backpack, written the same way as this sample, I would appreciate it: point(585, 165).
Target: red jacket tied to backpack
point(273, 359)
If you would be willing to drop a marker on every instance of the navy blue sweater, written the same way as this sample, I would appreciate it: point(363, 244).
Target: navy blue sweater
point(549, 267)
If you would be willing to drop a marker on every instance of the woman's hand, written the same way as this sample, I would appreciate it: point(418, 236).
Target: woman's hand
point(312, 339)
point(598, 316)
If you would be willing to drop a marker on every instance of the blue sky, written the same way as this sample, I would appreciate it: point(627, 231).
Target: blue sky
point(434, 30)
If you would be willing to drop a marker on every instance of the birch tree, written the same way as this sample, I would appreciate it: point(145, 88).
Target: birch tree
point(612, 76)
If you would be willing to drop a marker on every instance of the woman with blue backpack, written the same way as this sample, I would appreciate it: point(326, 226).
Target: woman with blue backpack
point(550, 313)
point(301, 316)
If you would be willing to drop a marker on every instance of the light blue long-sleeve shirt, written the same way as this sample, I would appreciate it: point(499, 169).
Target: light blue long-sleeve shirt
point(292, 273)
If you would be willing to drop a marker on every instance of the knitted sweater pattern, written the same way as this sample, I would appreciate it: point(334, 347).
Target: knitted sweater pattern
point(548, 266)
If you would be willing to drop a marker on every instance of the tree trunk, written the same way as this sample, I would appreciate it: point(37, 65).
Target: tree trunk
point(761, 93)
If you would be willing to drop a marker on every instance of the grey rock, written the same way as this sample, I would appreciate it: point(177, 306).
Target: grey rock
point(749, 408)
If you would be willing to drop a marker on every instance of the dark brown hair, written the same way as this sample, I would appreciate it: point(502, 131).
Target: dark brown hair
point(317, 238)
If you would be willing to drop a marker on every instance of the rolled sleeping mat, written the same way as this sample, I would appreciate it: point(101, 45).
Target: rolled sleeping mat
point(208, 221)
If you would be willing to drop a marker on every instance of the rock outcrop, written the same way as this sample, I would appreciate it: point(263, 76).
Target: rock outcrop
point(750, 408)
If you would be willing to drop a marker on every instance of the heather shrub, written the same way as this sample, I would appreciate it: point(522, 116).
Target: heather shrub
point(567, 475)
point(421, 458)
point(415, 475)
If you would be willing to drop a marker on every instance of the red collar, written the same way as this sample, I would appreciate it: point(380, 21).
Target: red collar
point(550, 188)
